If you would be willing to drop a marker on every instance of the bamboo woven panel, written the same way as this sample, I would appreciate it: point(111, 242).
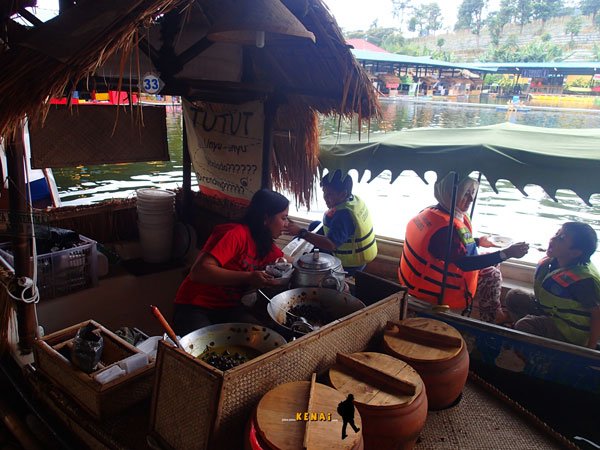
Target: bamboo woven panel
point(184, 401)
point(99, 134)
point(243, 386)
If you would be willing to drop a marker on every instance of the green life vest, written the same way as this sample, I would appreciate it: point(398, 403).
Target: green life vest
point(361, 248)
point(552, 291)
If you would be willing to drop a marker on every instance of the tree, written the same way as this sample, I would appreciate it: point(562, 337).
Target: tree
point(507, 12)
point(440, 43)
point(470, 16)
point(399, 8)
point(523, 11)
point(590, 7)
point(417, 23)
point(433, 15)
point(495, 27)
point(573, 27)
point(546, 9)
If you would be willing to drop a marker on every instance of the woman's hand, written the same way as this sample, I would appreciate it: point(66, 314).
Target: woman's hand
point(259, 279)
point(485, 242)
point(293, 228)
point(517, 250)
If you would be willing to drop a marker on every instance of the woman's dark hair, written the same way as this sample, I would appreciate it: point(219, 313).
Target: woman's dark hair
point(264, 204)
point(338, 182)
point(583, 237)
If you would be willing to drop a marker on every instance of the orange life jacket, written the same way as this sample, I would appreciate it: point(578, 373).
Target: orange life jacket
point(422, 272)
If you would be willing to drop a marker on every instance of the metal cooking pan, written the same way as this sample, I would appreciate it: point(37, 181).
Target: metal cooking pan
point(335, 304)
point(257, 337)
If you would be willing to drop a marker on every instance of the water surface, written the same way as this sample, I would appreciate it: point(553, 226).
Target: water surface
point(534, 218)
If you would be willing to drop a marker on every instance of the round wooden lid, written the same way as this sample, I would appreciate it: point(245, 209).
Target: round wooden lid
point(372, 394)
point(281, 419)
point(407, 343)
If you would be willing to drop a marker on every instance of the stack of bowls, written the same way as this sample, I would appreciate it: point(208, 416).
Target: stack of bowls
point(156, 217)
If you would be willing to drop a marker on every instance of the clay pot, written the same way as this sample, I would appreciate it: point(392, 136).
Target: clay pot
point(391, 419)
point(443, 368)
point(273, 425)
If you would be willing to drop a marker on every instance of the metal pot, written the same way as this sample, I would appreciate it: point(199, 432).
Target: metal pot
point(319, 270)
point(335, 304)
point(257, 337)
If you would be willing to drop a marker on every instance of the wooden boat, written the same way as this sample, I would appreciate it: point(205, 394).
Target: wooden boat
point(122, 298)
point(551, 158)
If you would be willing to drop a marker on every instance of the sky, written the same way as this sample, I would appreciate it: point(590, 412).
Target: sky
point(359, 14)
point(351, 14)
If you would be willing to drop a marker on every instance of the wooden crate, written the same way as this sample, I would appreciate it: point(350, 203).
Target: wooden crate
point(100, 400)
point(195, 406)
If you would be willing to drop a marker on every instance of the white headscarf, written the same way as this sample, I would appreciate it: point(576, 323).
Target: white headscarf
point(442, 191)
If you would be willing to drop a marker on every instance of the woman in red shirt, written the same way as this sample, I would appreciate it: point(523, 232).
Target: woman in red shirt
point(231, 262)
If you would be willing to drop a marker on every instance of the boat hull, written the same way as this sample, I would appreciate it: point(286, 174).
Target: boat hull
point(522, 353)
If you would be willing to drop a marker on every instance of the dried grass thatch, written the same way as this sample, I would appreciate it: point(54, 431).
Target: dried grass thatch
point(28, 78)
point(305, 78)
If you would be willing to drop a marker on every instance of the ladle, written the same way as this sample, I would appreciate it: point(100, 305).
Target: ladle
point(166, 326)
point(301, 325)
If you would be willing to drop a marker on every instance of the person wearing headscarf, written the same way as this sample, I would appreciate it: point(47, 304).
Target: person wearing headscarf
point(347, 226)
point(471, 278)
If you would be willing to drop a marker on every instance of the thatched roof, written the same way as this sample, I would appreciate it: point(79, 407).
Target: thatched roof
point(109, 43)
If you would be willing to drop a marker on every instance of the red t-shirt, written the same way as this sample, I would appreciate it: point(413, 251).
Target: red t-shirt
point(233, 247)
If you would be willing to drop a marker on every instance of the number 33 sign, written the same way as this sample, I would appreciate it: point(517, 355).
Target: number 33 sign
point(151, 83)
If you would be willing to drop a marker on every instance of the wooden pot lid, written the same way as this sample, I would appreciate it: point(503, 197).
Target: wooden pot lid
point(368, 389)
point(423, 340)
point(277, 424)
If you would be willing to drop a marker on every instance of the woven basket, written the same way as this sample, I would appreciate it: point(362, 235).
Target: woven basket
point(196, 406)
point(100, 400)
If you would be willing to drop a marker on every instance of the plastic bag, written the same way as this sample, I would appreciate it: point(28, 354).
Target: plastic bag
point(87, 348)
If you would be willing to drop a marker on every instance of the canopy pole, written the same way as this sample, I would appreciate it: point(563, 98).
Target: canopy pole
point(187, 177)
point(270, 110)
point(18, 206)
point(476, 193)
point(450, 233)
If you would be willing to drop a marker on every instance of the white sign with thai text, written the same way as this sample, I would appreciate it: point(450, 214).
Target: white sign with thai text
point(225, 143)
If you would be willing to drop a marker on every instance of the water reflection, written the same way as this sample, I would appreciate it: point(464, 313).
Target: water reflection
point(534, 218)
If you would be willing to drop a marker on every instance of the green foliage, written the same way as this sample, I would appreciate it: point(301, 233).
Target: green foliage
point(546, 37)
point(426, 19)
point(470, 16)
point(581, 82)
point(546, 9)
point(523, 11)
point(440, 42)
point(399, 9)
point(596, 21)
point(590, 7)
point(535, 51)
point(573, 26)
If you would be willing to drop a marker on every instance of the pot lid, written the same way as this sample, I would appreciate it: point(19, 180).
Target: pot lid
point(318, 261)
point(277, 418)
point(369, 393)
point(405, 344)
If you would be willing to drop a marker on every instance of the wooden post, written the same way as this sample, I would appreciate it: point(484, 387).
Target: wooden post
point(450, 232)
point(270, 111)
point(17, 199)
point(187, 177)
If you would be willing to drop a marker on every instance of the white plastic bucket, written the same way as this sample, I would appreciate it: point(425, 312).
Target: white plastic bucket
point(155, 195)
point(165, 219)
point(156, 242)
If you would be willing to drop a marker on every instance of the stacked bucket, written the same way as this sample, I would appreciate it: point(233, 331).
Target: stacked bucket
point(156, 218)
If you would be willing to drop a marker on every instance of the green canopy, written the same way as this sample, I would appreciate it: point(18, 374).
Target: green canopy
point(548, 157)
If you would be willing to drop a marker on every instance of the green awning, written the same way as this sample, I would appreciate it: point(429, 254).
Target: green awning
point(548, 157)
